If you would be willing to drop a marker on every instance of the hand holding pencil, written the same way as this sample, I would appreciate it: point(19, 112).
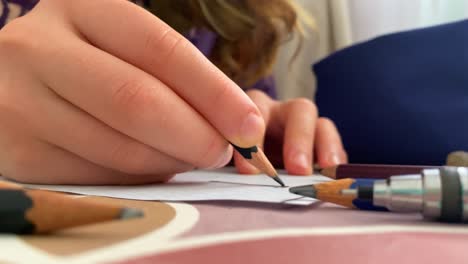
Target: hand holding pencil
point(99, 112)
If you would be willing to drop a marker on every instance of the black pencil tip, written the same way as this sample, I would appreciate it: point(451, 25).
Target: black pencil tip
point(279, 181)
point(307, 190)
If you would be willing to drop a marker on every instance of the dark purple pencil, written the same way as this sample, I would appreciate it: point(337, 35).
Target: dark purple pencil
point(371, 171)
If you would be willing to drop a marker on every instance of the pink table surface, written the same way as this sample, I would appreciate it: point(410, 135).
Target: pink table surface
point(331, 234)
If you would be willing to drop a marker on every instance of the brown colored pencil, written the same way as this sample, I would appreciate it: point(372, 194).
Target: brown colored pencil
point(371, 171)
point(24, 211)
point(257, 158)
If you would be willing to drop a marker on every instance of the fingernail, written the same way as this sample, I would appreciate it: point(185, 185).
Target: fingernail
point(224, 159)
point(335, 159)
point(251, 129)
point(302, 161)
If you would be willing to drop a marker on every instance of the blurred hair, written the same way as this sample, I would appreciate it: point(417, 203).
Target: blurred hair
point(250, 31)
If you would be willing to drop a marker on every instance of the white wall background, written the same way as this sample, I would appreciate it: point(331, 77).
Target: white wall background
point(373, 17)
point(343, 22)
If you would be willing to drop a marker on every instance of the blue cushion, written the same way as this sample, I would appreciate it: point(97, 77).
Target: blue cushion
point(400, 98)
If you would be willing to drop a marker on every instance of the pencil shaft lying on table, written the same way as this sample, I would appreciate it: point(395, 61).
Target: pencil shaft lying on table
point(25, 211)
point(332, 192)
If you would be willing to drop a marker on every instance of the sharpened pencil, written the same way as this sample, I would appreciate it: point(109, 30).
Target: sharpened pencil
point(332, 192)
point(371, 171)
point(255, 156)
point(24, 211)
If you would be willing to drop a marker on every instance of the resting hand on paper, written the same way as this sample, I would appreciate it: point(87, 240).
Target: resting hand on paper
point(294, 134)
point(103, 92)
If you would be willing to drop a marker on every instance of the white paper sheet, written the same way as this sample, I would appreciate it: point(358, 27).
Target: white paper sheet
point(203, 185)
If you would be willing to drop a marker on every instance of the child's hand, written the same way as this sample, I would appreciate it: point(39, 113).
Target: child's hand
point(103, 92)
point(293, 133)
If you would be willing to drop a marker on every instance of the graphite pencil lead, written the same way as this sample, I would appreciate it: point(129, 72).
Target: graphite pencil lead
point(130, 213)
point(308, 191)
point(279, 181)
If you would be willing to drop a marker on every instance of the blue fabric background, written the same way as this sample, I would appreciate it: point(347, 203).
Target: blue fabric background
point(400, 98)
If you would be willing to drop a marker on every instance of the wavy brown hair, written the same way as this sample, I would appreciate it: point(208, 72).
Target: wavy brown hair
point(250, 31)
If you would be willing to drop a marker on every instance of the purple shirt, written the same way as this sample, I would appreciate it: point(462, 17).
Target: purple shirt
point(202, 38)
point(205, 40)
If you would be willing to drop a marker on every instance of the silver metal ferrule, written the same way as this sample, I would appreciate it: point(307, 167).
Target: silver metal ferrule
point(432, 193)
point(400, 193)
point(407, 193)
point(382, 195)
point(437, 193)
point(463, 174)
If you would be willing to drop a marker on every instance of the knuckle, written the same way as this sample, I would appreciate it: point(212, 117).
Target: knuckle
point(131, 96)
point(223, 92)
point(10, 43)
point(305, 104)
point(210, 156)
point(164, 45)
point(131, 158)
point(255, 93)
point(16, 38)
point(261, 100)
